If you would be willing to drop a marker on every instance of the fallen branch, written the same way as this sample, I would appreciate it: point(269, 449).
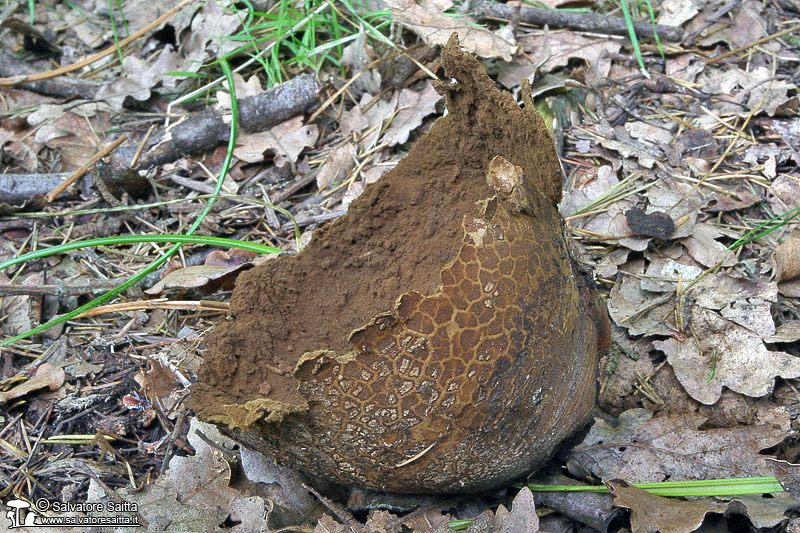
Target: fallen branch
point(19, 190)
point(207, 129)
point(11, 67)
point(486, 9)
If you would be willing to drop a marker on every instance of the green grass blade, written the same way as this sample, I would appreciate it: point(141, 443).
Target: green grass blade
point(770, 225)
point(653, 23)
point(707, 487)
point(133, 239)
point(634, 39)
point(164, 258)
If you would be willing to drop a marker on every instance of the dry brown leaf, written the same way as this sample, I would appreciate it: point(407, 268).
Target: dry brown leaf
point(47, 376)
point(715, 291)
point(431, 520)
point(83, 122)
point(553, 50)
point(612, 222)
point(787, 258)
point(664, 275)
point(158, 382)
point(338, 166)
point(354, 121)
point(628, 149)
point(380, 111)
point(193, 494)
point(754, 315)
point(736, 356)
point(608, 264)
point(358, 55)
point(232, 258)
point(738, 198)
point(251, 87)
point(787, 332)
point(24, 312)
point(593, 184)
point(704, 248)
point(205, 277)
point(676, 12)
point(286, 141)
point(377, 522)
point(161, 507)
point(139, 78)
point(644, 449)
point(649, 132)
point(426, 19)
point(766, 94)
point(785, 191)
point(206, 39)
point(655, 513)
point(787, 474)
point(651, 513)
point(285, 485)
point(87, 29)
point(406, 110)
point(640, 312)
point(748, 24)
point(683, 67)
point(411, 108)
point(522, 517)
point(755, 89)
point(626, 361)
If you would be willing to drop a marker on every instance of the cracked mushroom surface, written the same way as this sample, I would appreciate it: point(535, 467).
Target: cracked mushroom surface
point(440, 337)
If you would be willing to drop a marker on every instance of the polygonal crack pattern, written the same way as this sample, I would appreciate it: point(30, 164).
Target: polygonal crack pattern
point(460, 389)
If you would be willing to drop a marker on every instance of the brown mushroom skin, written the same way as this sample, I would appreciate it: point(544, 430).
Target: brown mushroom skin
point(464, 387)
point(467, 388)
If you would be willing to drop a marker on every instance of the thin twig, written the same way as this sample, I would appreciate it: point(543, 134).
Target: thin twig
point(754, 43)
point(592, 22)
point(98, 56)
point(52, 195)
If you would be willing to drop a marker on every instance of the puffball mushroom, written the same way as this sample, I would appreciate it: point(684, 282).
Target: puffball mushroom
point(441, 337)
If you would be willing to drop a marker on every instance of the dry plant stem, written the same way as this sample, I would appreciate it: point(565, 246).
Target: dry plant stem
point(486, 9)
point(718, 14)
point(352, 80)
point(57, 290)
point(98, 56)
point(340, 512)
point(163, 303)
point(295, 187)
point(142, 144)
point(111, 493)
point(733, 142)
point(754, 43)
point(315, 219)
point(176, 430)
point(52, 195)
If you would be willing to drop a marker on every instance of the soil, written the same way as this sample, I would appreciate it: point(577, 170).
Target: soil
point(397, 236)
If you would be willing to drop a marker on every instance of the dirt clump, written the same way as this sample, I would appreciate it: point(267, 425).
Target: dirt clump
point(412, 345)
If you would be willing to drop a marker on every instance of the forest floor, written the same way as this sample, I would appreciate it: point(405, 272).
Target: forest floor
point(682, 181)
